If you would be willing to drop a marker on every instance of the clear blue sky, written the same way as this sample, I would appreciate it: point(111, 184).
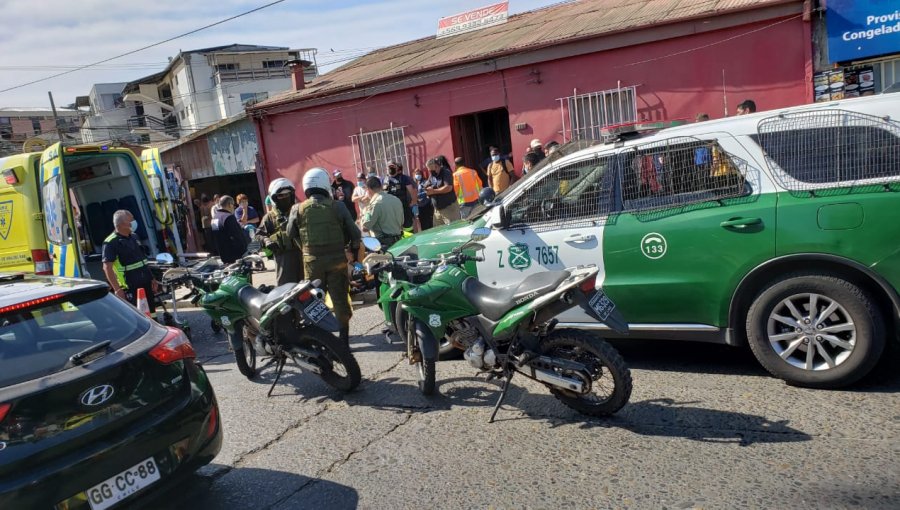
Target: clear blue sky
point(47, 36)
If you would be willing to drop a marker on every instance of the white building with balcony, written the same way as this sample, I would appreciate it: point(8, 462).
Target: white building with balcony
point(201, 87)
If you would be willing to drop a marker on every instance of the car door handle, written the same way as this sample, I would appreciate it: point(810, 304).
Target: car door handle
point(740, 222)
point(580, 238)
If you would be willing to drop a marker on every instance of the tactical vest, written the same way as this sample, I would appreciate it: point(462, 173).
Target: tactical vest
point(320, 227)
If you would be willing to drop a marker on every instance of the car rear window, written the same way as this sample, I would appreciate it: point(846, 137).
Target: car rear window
point(38, 341)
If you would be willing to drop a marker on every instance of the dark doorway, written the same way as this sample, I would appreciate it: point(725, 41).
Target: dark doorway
point(474, 133)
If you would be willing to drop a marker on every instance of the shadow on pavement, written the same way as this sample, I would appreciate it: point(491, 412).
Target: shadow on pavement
point(254, 488)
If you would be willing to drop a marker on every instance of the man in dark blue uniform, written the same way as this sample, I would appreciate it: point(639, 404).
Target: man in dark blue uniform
point(124, 262)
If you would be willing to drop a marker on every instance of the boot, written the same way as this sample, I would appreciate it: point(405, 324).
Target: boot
point(345, 335)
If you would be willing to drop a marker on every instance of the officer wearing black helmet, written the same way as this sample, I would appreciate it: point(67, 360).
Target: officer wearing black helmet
point(273, 233)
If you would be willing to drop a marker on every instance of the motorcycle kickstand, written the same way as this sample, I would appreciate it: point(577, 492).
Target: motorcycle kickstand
point(281, 361)
point(502, 395)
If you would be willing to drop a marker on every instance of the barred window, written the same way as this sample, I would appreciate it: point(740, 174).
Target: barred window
point(375, 148)
point(677, 172)
point(573, 195)
point(810, 150)
point(589, 113)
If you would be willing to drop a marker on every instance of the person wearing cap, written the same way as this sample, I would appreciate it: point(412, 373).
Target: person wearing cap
point(401, 186)
point(342, 190)
point(467, 184)
point(538, 148)
point(360, 195)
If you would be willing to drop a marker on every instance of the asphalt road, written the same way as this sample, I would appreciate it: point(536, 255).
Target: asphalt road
point(706, 427)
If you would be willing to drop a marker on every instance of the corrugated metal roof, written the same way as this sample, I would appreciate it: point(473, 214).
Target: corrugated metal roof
point(555, 24)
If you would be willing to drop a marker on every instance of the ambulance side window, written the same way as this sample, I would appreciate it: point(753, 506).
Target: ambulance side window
point(55, 218)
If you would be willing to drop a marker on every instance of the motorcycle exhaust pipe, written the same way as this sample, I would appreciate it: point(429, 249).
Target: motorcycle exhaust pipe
point(554, 379)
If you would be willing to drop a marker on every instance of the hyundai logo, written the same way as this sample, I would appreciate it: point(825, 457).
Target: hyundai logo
point(97, 395)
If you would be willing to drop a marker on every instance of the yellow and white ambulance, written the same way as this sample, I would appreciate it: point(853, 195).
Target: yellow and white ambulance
point(56, 207)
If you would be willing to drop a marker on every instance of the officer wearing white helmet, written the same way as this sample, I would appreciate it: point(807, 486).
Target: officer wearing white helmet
point(323, 228)
point(273, 233)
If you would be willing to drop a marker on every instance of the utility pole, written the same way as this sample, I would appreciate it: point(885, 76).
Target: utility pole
point(59, 132)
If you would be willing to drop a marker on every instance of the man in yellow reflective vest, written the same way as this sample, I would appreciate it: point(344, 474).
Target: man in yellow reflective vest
point(124, 262)
point(467, 185)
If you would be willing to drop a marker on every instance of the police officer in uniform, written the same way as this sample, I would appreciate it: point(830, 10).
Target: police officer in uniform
point(273, 233)
point(124, 262)
point(323, 228)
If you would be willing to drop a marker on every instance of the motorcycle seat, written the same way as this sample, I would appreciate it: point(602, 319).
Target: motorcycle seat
point(257, 302)
point(494, 302)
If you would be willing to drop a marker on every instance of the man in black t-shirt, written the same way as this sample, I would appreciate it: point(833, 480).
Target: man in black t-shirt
point(402, 187)
point(342, 189)
point(124, 262)
point(440, 189)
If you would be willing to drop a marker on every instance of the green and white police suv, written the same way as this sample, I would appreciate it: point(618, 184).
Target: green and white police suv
point(780, 229)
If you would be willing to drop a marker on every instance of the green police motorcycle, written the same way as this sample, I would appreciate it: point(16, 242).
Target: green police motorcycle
point(289, 322)
point(508, 330)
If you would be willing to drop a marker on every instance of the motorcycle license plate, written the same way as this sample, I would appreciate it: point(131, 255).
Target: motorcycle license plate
point(316, 311)
point(115, 489)
point(601, 305)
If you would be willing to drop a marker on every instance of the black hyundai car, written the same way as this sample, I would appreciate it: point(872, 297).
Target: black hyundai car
point(99, 405)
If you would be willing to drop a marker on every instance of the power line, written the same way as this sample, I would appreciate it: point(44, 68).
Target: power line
point(57, 75)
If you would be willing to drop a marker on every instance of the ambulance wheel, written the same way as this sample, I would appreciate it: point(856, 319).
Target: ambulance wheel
point(816, 330)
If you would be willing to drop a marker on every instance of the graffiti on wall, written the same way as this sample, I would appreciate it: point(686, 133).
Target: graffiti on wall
point(233, 148)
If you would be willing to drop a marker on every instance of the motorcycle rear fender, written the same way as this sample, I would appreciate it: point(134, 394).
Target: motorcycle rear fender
point(329, 323)
point(428, 344)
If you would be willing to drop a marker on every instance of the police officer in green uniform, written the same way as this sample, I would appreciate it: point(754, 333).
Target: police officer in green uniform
point(323, 229)
point(273, 233)
point(125, 263)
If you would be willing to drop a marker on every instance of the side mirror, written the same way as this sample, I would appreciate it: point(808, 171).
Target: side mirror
point(165, 258)
point(502, 217)
point(480, 234)
point(371, 244)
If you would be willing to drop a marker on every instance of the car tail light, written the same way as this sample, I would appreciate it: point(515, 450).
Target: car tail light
point(31, 303)
point(589, 285)
point(42, 263)
point(4, 408)
point(175, 346)
point(213, 422)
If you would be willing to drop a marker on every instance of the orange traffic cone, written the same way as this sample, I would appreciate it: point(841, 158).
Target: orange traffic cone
point(142, 304)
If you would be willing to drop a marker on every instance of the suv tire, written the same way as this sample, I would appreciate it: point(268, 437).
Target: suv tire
point(847, 342)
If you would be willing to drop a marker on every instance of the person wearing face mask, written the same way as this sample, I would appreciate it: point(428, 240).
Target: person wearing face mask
point(426, 208)
point(227, 232)
point(343, 190)
point(360, 195)
point(272, 233)
point(500, 172)
point(401, 186)
point(124, 262)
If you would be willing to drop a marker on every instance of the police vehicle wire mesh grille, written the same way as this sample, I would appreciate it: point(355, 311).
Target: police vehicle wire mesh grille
point(678, 172)
point(574, 195)
point(807, 151)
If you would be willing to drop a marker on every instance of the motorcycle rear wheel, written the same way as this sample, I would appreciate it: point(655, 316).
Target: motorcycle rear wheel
point(606, 366)
point(342, 371)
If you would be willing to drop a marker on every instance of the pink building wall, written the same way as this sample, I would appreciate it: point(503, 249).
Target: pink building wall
point(768, 62)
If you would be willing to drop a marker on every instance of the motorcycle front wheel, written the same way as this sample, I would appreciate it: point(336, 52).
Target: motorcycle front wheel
point(610, 379)
point(245, 357)
point(339, 368)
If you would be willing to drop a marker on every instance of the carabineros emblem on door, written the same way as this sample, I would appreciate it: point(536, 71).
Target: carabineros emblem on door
point(519, 257)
